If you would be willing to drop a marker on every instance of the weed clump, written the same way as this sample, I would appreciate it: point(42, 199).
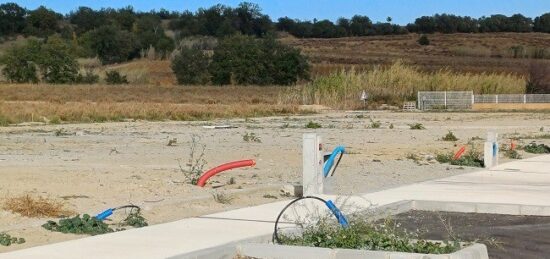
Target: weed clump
point(79, 225)
point(313, 125)
point(222, 198)
point(512, 154)
point(449, 137)
point(472, 158)
point(196, 161)
point(417, 126)
point(7, 240)
point(251, 137)
point(36, 207)
point(365, 235)
point(537, 149)
point(87, 225)
point(375, 124)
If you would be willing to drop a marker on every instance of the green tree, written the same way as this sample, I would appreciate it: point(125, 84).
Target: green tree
point(111, 44)
point(12, 19)
point(42, 22)
point(190, 66)
point(56, 63)
point(86, 19)
point(150, 33)
point(251, 61)
point(542, 23)
point(20, 62)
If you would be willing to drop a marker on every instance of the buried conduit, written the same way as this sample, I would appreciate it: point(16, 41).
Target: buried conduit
point(218, 169)
point(330, 161)
point(342, 220)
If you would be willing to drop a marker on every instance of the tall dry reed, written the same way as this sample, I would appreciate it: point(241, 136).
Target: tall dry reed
point(395, 84)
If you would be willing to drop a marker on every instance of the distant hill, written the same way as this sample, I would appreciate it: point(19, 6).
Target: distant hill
point(480, 52)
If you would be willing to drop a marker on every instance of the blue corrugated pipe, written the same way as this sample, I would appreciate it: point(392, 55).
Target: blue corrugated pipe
point(330, 161)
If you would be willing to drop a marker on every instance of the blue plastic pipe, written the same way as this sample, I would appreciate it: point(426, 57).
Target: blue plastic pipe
point(332, 157)
point(337, 213)
point(105, 214)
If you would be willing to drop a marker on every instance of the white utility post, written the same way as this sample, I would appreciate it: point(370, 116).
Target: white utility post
point(490, 150)
point(312, 164)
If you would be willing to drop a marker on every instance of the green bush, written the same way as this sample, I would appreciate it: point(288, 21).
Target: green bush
point(537, 149)
point(88, 78)
point(190, 66)
point(115, 78)
point(423, 40)
point(449, 137)
point(416, 126)
point(7, 240)
point(313, 125)
point(246, 60)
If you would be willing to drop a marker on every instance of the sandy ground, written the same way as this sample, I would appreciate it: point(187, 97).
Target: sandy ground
point(91, 167)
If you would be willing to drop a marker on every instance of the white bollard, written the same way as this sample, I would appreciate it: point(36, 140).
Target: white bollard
point(490, 150)
point(312, 164)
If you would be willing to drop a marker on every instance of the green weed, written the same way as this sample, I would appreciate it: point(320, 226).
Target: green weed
point(313, 125)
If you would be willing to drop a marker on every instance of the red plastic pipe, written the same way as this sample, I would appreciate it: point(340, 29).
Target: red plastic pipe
point(218, 169)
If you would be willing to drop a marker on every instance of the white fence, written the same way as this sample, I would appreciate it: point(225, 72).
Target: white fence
point(458, 100)
point(463, 100)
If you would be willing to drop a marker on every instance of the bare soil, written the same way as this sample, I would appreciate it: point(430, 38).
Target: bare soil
point(91, 167)
point(506, 236)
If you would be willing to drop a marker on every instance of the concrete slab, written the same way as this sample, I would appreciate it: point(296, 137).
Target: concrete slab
point(525, 182)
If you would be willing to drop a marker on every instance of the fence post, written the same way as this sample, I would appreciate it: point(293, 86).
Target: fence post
point(445, 95)
point(496, 98)
point(524, 98)
point(473, 98)
point(418, 100)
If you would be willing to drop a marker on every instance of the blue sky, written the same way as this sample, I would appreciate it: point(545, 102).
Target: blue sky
point(402, 11)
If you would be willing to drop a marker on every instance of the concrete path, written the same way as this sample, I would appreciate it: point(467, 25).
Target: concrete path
point(524, 182)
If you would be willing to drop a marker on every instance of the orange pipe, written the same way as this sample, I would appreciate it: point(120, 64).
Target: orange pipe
point(218, 169)
point(459, 153)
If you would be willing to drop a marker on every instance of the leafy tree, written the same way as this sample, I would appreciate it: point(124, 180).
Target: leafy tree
point(21, 62)
point(425, 24)
point(519, 23)
point(57, 64)
point(12, 19)
point(42, 22)
point(111, 44)
point(190, 66)
point(246, 60)
point(123, 17)
point(360, 25)
point(324, 29)
point(285, 24)
point(150, 33)
point(542, 23)
point(86, 19)
point(344, 24)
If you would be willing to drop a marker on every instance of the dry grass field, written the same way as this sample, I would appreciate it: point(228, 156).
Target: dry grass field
point(479, 53)
point(98, 103)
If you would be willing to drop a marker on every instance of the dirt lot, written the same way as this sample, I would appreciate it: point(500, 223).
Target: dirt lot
point(92, 167)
